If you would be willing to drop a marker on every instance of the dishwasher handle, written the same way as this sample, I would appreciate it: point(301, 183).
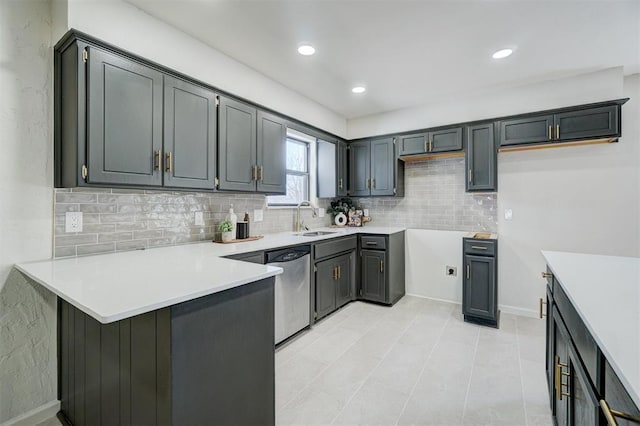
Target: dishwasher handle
point(288, 255)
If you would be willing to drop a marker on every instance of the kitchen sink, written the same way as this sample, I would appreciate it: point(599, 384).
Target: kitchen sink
point(316, 233)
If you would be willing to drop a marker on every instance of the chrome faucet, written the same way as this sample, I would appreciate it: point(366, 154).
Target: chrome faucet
point(299, 223)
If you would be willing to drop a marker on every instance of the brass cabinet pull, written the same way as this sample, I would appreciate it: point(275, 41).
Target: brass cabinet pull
point(542, 302)
point(547, 275)
point(478, 248)
point(430, 145)
point(558, 384)
point(557, 131)
point(261, 176)
point(158, 160)
point(468, 271)
point(381, 265)
point(340, 183)
point(470, 176)
point(254, 173)
point(426, 148)
point(169, 165)
point(373, 183)
point(339, 271)
point(335, 273)
point(611, 414)
point(550, 132)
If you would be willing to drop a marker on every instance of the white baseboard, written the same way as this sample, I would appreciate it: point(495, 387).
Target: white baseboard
point(35, 416)
point(505, 309)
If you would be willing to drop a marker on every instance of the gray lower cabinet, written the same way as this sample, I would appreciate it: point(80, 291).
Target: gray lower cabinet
point(124, 120)
point(252, 149)
point(433, 141)
point(190, 133)
point(382, 271)
point(479, 290)
point(334, 274)
point(481, 158)
point(199, 362)
point(373, 168)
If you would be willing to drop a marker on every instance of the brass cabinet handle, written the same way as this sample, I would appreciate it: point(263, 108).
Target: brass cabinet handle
point(373, 183)
point(261, 175)
point(558, 384)
point(169, 165)
point(340, 183)
point(470, 176)
point(254, 172)
point(430, 145)
point(381, 265)
point(371, 243)
point(426, 148)
point(468, 271)
point(339, 271)
point(557, 131)
point(542, 302)
point(479, 248)
point(550, 132)
point(158, 160)
point(611, 414)
point(547, 275)
point(335, 273)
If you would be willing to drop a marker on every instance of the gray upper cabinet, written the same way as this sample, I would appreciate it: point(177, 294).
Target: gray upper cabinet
point(360, 169)
point(413, 144)
point(526, 130)
point(481, 158)
point(445, 140)
point(124, 120)
point(327, 168)
point(587, 123)
point(342, 164)
point(237, 146)
point(272, 154)
point(190, 117)
point(382, 167)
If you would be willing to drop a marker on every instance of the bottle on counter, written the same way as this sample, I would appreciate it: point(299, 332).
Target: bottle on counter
point(243, 228)
point(233, 218)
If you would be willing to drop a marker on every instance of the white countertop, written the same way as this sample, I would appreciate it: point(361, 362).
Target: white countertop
point(605, 290)
point(114, 286)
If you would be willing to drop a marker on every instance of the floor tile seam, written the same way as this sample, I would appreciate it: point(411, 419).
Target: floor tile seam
point(473, 365)
point(424, 366)
point(329, 366)
point(524, 401)
point(346, 404)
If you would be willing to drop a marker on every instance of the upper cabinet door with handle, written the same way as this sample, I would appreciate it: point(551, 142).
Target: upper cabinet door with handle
point(237, 146)
point(445, 140)
point(360, 169)
point(342, 177)
point(587, 123)
point(481, 158)
point(189, 135)
point(124, 120)
point(417, 143)
point(271, 154)
point(527, 130)
point(382, 171)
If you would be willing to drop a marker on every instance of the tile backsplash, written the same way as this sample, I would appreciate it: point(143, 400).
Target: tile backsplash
point(435, 198)
point(120, 219)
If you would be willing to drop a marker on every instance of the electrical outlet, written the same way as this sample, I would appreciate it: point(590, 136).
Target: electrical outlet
point(73, 222)
point(508, 214)
point(320, 211)
point(258, 215)
point(199, 219)
point(451, 271)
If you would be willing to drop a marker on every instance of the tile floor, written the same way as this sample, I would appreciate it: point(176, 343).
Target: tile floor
point(416, 363)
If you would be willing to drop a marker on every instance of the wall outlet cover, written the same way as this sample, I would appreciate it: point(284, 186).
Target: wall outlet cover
point(508, 214)
point(451, 271)
point(73, 222)
point(199, 218)
point(321, 212)
point(258, 215)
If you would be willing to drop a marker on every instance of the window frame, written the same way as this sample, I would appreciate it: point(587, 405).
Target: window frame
point(309, 190)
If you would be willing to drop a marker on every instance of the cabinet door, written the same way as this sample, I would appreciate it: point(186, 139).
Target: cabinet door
point(550, 350)
point(560, 365)
point(481, 158)
point(189, 135)
point(446, 140)
point(587, 123)
point(479, 290)
point(124, 120)
point(327, 169)
point(526, 130)
point(360, 169)
point(342, 175)
point(372, 275)
point(272, 154)
point(345, 279)
point(382, 167)
point(412, 144)
point(617, 396)
point(326, 280)
point(237, 145)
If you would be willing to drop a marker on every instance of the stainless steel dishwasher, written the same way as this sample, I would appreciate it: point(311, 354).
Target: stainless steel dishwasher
point(292, 290)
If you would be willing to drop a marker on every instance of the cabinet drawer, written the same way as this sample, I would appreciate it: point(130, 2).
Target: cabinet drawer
point(586, 346)
point(373, 242)
point(480, 247)
point(331, 247)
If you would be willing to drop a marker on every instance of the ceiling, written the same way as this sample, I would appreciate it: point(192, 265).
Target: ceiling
point(409, 53)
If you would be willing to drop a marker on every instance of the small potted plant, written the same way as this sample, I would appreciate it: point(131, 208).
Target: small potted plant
point(226, 227)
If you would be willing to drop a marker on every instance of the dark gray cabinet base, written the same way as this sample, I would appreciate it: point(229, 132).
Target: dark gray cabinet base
point(206, 361)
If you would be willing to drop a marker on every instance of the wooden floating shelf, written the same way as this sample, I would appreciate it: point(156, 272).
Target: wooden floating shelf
point(423, 157)
point(557, 145)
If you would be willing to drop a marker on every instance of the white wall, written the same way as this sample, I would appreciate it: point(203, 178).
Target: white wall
point(129, 28)
point(27, 312)
point(583, 199)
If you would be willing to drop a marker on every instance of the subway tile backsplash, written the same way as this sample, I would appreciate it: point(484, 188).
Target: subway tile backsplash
point(120, 219)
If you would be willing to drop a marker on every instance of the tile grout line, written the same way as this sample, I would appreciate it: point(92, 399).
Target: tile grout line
point(524, 401)
point(473, 366)
point(424, 366)
point(374, 369)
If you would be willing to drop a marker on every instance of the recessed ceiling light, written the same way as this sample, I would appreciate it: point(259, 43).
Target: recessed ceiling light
point(501, 54)
point(306, 49)
point(359, 89)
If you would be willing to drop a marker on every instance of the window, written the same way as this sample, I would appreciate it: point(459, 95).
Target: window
point(299, 164)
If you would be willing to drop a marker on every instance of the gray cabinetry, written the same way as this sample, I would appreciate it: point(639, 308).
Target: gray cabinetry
point(481, 158)
point(373, 168)
point(124, 120)
point(237, 146)
point(382, 274)
point(587, 123)
point(327, 169)
point(342, 177)
point(360, 169)
point(344, 285)
point(335, 274)
point(272, 154)
point(326, 278)
point(416, 143)
point(479, 291)
point(190, 118)
point(526, 130)
point(433, 141)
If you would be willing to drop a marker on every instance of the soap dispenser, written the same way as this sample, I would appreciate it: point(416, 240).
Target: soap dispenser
point(233, 218)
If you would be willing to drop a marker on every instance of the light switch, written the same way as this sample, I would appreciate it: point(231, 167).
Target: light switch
point(199, 219)
point(73, 222)
point(258, 215)
point(508, 214)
